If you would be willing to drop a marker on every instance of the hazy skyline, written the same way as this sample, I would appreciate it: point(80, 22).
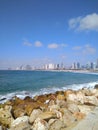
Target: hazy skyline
point(48, 31)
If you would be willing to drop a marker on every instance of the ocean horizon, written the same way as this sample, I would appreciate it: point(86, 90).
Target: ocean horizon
point(32, 83)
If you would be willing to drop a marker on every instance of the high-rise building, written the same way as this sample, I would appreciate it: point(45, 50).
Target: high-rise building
point(97, 63)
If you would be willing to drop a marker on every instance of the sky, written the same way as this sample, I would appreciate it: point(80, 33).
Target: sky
point(37, 32)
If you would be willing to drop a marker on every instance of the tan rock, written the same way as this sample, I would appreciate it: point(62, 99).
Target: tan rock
point(20, 123)
point(57, 125)
point(72, 107)
point(60, 97)
point(53, 107)
point(40, 124)
point(87, 92)
point(47, 115)
point(79, 115)
point(35, 113)
point(67, 117)
point(6, 116)
point(85, 109)
point(92, 100)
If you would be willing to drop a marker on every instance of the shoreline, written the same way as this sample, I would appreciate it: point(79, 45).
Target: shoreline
point(62, 110)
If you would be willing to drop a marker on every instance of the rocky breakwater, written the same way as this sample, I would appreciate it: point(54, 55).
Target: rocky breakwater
point(62, 110)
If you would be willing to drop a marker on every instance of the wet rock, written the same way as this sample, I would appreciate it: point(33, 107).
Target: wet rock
point(96, 86)
point(21, 123)
point(40, 124)
point(87, 92)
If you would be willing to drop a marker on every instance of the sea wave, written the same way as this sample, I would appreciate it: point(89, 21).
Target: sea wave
point(51, 89)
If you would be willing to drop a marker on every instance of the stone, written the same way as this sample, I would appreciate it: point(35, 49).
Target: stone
point(79, 115)
point(21, 123)
point(87, 92)
point(85, 109)
point(35, 113)
point(96, 86)
point(40, 124)
point(72, 107)
point(67, 117)
point(47, 115)
point(53, 107)
point(6, 116)
point(91, 100)
point(57, 125)
point(61, 103)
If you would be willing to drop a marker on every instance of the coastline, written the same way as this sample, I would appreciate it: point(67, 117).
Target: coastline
point(62, 110)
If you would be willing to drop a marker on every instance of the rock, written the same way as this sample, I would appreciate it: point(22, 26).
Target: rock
point(40, 124)
point(91, 100)
point(87, 92)
point(53, 107)
point(21, 123)
point(56, 125)
point(18, 112)
point(72, 107)
point(85, 109)
point(35, 113)
point(61, 103)
point(96, 86)
point(79, 115)
point(67, 117)
point(6, 116)
point(47, 115)
point(0, 127)
point(60, 97)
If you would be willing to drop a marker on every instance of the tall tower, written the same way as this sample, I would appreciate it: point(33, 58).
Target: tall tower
point(97, 63)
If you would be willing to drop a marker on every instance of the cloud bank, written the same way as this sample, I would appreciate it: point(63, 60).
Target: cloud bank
point(89, 22)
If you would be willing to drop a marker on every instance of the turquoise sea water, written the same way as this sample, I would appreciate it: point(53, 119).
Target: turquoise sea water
point(23, 83)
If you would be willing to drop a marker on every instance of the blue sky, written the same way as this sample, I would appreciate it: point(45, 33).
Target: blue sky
point(36, 32)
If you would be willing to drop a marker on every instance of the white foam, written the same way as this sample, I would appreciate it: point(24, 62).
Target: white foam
point(51, 89)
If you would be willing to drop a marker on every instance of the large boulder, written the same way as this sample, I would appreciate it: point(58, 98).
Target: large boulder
point(56, 125)
point(35, 113)
point(96, 86)
point(91, 100)
point(85, 109)
point(21, 123)
point(67, 117)
point(72, 107)
point(40, 124)
point(47, 115)
point(6, 116)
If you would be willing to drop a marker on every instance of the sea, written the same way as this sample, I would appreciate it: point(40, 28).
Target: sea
point(31, 83)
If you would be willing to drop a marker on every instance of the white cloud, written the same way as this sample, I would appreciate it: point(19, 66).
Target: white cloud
point(88, 50)
point(77, 48)
point(38, 44)
point(63, 45)
point(89, 22)
point(53, 46)
point(26, 43)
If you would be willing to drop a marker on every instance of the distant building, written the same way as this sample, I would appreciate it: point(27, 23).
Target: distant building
point(78, 66)
point(73, 66)
point(97, 63)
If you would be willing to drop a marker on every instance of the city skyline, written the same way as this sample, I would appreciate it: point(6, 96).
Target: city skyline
point(39, 32)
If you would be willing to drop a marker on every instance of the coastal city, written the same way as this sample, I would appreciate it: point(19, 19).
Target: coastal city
point(92, 66)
